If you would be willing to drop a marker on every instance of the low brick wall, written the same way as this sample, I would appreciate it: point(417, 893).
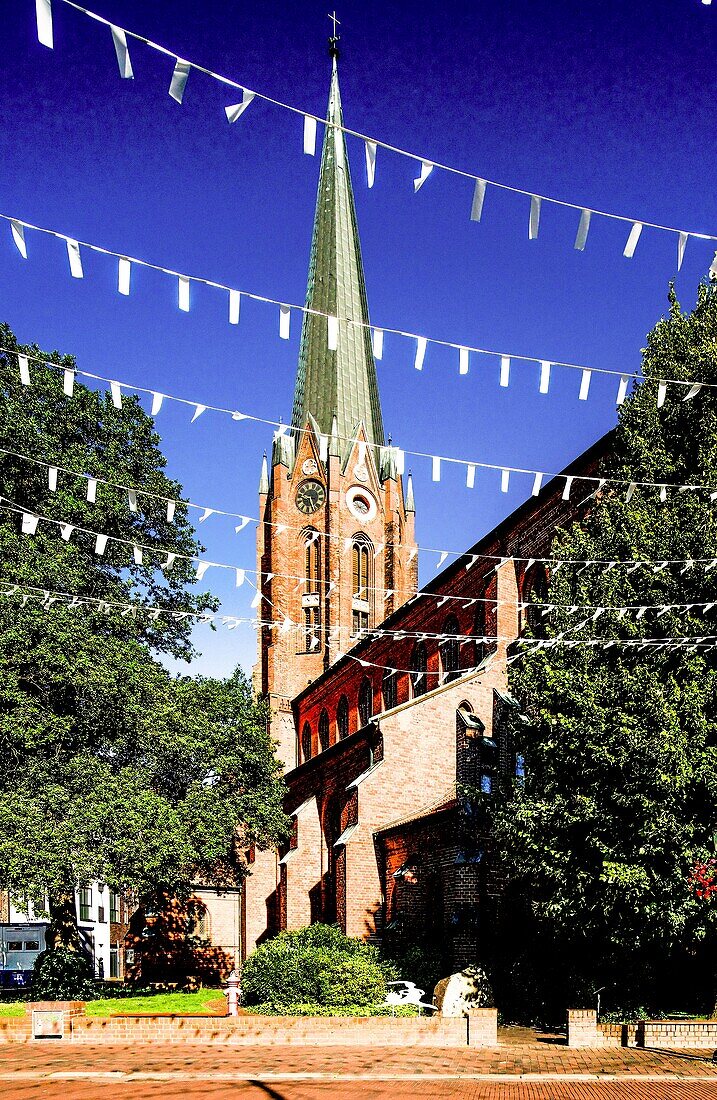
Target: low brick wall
point(18, 1029)
point(483, 1027)
point(677, 1034)
point(585, 1031)
point(275, 1030)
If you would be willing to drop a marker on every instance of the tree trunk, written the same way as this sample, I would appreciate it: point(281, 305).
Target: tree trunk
point(62, 930)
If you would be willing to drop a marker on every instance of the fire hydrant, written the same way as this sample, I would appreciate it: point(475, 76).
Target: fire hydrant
point(232, 993)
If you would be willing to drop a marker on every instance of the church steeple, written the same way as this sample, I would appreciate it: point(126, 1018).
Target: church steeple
point(339, 382)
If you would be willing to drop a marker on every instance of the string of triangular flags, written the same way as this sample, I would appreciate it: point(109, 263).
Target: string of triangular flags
point(595, 484)
point(334, 323)
point(425, 166)
point(30, 523)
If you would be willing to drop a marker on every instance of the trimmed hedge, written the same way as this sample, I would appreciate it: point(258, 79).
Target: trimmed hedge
point(317, 965)
point(62, 975)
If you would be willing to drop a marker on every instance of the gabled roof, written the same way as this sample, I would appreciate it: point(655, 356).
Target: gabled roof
point(341, 382)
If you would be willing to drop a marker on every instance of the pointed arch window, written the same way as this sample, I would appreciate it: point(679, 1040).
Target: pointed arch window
point(306, 742)
point(388, 689)
point(312, 560)
point(535, 593)
point(365, 702)
point(450, 650)
point(311, 600)
point(342, 718)
point(361, 559)
point(324, 730)
point(419, 669)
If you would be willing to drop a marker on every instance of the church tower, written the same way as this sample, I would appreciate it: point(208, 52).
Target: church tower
point(336, 548)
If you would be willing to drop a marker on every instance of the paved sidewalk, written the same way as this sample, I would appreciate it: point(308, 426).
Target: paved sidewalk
point(511, 1072)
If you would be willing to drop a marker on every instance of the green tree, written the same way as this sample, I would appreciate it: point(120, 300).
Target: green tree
point(620, 744)
point(110, 767)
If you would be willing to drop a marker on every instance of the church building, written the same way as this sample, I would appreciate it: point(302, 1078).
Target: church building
point(383, 701)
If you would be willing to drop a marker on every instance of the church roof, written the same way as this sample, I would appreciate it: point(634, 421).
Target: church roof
point(341, 382)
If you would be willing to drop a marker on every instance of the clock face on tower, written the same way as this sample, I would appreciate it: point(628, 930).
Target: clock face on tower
point(310, 496)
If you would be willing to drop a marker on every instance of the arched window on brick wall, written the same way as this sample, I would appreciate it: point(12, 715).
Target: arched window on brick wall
point(419, 666)
point(388, 689)
point(342, 718)
point(311, 599)
point(324, 730)
point(306, 742)
point(365, 702)
point(361, 578)
point(534, 593)
point(450, 650)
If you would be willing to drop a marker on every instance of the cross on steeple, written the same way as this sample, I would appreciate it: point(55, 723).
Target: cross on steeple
point(334, 39)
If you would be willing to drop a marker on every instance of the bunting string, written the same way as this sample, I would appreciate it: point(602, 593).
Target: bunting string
point(596, 484)
point(421, 163)
point(334, 323)
point(31, 521)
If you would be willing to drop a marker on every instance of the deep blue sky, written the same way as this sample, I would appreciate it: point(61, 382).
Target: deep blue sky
point(607, 104)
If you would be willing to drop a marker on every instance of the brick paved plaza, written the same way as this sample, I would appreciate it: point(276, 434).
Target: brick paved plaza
point(512, 1071)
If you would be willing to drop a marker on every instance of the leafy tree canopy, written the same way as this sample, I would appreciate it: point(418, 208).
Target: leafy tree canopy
point(110, 767)
point(620, 744)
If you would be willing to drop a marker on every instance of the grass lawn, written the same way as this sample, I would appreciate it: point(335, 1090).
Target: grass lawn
point(206, 1000)
point(16, 1009)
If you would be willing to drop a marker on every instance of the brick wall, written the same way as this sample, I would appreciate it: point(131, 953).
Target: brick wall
point(584, 1030)
point(677, 1034)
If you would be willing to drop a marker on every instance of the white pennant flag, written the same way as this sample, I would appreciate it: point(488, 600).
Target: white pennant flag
point(681, 245)
point(234, 306)
point(370, 163)
point(568, 487)
point(332, 332)
point(202, 567)
point(91, 490)
point(477, 204)
point(138, 556)
point(463, 360)
point(442, 558)
point(120, 40)
point(663, 493)
point(240, 575)
point(661, 394)
point(52, 479)
point(66, 530)
point(694, 390)
point(630, 493)
point(583, 227)
point(171, 505)
point(537, 482)
point(24, 369)
point(240, 526)
point(179, 80)
point(68, 381)
point(324, 448)
point(504, 370)
point(183, 293)
point(504, 481)
point(470, 476)
point(157, 399)
point(116, 394)
point(713, 267)
point(309, 135)
point(622, 390)
point(132, 499)
point(169, 563)
point(18, 235)
point(544, 375)
point(377, 342)
point(632, 240)
point(421, 343)
point(534, 222)
point(198, 410)
point(100, 544)
point(43, 12)
point(206, 514)
point(284, 322)
point(257, 599)
point(426, 169)
point(73, 255)
point(436, 468)
point(400, 459)
point(236, 110)
point(124, 269)
point(585, 385)
point(29, 523)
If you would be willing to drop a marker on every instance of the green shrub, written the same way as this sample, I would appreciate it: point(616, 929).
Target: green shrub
point(334, 1010)
point(316, 965)
point(62, 975)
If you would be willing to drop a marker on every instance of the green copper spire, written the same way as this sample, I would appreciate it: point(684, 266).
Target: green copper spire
point(342, 381)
